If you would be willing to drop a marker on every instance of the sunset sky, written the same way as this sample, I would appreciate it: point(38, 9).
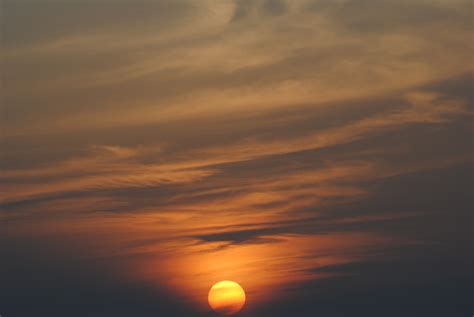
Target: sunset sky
point(317, 152)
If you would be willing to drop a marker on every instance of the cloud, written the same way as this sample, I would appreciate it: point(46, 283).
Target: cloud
point(106, 67)
point(200, 168)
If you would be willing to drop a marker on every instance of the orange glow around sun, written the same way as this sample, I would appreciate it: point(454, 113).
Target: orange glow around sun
point(226, 297)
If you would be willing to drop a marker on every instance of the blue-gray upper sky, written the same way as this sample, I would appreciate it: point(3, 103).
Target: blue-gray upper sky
point(317, 152)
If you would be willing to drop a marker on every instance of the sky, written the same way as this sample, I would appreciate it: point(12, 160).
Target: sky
point(317, 152)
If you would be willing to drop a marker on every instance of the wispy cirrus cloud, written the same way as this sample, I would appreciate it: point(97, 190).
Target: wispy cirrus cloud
point(220, 64)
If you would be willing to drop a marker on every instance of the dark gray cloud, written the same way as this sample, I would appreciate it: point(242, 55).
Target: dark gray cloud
point(42, 278)
point(29, 22)
point(364, 16)
point(246, 9)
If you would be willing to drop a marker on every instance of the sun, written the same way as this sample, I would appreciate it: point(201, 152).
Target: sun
point(226, 297)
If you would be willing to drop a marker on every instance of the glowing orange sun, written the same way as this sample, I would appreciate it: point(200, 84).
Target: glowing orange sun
point(226, 297)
